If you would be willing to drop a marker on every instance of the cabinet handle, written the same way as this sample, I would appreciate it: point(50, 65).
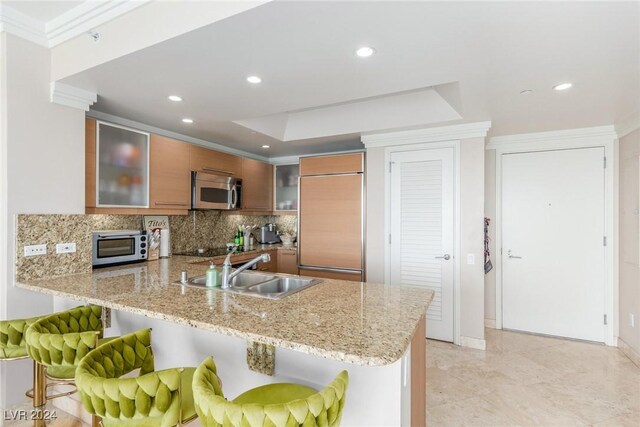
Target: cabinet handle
point(207, 168)
point(172, 203)
point(256, 207)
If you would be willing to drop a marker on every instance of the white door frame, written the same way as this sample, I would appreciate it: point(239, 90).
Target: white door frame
point(603, 136)
point(456, 222)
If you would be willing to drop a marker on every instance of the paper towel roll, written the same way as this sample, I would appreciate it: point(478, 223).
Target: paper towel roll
point(165, 242)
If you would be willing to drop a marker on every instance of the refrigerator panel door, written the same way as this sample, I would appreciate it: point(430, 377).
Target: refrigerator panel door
point(331, 221)
point(355, 276)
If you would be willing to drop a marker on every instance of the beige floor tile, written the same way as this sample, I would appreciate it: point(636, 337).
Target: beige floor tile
point(629, 419)
point(443, 387)
point(474, 411)
point(528, 407)
point(532, 381)
point(499, 341)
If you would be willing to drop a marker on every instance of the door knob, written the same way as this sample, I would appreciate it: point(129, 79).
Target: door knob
point(512, 256)
point(445, 257)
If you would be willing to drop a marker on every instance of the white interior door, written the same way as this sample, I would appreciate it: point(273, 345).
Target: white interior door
point(553, 253)
point(422, 221)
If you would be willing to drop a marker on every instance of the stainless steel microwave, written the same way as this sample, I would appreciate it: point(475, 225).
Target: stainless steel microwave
point(119, 247)
point(211, 191)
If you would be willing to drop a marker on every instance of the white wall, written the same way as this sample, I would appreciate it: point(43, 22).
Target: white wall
point(44, 173)
point(472, 152)
point(490, 212)
point(629, 245)
point(376, 242)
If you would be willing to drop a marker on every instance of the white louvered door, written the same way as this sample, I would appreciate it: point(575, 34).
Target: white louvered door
point(422, 225)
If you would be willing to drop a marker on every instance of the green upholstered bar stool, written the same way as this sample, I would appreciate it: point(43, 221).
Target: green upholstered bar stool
point(271, 405)
point(13, 345)
point(154, 398)
point(57, 342)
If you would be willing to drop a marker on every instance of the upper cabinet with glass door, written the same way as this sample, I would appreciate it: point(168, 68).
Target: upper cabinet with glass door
point(122, 167)
point(286, 187)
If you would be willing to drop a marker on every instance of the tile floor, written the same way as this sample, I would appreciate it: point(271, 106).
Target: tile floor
point(528, 380)
point(520, 380)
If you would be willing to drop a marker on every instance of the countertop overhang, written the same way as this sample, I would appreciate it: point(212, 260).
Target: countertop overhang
point(359, 323)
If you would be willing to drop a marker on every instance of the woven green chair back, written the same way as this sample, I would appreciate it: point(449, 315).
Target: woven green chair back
point(152, 398)
point(323, 408)
point(13, 344)
point(62, 339)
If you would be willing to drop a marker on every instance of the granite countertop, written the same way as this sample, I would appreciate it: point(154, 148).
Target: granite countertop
point(360, 323)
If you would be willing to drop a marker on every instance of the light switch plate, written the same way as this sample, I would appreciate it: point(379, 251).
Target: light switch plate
point(632, 320)
point(34, 250)
point(65, 248)
point(471, 259)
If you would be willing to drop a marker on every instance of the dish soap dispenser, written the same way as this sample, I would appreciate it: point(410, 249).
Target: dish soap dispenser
point(212, 276)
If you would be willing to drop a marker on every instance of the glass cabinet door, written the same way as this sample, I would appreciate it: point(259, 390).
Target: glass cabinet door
point(286, 190)
point(122, 167)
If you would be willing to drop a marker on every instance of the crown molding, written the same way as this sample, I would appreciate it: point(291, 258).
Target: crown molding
point(14, 22)
point(419, 136)
point(86, 16)
point(74, 22)
point(98, 115)
point(628, 126)
point(70, 96)
point(511, 141)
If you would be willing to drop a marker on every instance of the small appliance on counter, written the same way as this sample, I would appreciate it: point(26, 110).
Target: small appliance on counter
point(112, 247)
point(267, 234)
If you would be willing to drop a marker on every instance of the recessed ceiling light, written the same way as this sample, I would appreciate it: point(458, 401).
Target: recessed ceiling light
point(562, 86)
point(254, 79)
point(365, 51)
point(175, 98)
point(266, 146)
point(526, 92)
point(187, 120)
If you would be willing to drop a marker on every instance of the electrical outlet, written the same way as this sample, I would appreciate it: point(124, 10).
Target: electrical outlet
point(471, 259)
point(65, 248)
point(632, 320)
point(34, 250)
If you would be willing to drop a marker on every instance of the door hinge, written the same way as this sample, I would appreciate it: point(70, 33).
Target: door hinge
point(389, 238)
point(604, 240)
point(605, 162)
point(605, 319)
point(390, 165)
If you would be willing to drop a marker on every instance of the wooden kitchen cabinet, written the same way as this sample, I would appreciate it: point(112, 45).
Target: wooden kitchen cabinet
point(211, 161)
point(257, 185)
point(333, 164)
point(288, 261)
point(170, 174)
point(272, 265)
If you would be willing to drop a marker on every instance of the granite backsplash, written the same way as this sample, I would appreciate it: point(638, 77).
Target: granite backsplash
point(199, 229)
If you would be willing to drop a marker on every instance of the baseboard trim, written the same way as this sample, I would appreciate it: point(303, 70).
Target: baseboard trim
point(474, 343)
point(490, 323)
point(628, 351)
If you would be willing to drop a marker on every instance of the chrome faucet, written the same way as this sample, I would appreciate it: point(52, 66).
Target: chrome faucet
point(227, 275)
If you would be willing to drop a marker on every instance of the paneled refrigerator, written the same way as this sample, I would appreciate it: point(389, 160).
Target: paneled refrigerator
point(331, 217)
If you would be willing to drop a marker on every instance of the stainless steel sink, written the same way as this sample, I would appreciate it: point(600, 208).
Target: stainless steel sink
point(280, 287)
point(259, 285)
point(240, 281)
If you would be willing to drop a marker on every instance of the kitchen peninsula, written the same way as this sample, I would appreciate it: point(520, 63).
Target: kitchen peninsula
point(376, 332)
